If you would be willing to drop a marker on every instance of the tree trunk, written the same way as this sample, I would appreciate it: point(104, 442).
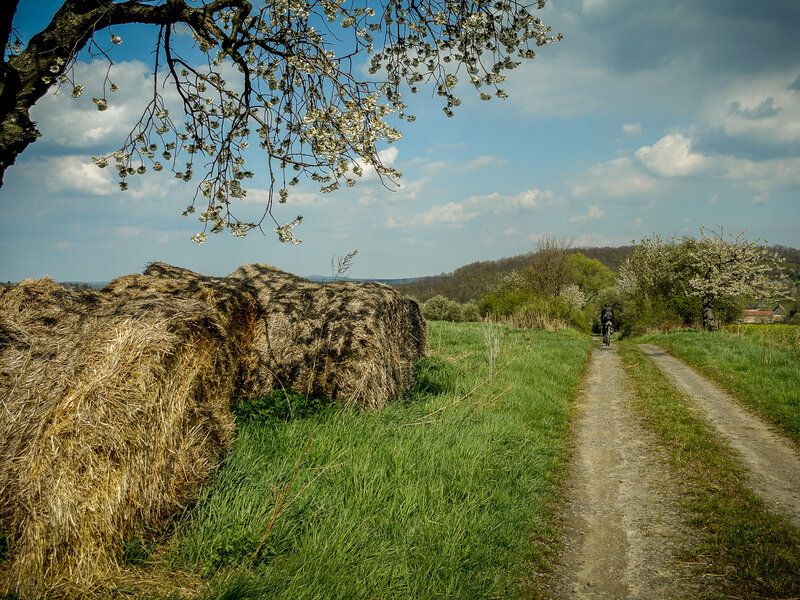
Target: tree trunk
point(709, 317)
point(26, 77)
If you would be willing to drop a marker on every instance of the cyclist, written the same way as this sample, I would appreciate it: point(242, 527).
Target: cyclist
point(606, 320)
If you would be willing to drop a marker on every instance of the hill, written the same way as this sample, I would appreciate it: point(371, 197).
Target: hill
point(471, 281)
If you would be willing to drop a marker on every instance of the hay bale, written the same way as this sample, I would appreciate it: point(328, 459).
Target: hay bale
point(115, 404)
point(114, 412)
point(352, 342)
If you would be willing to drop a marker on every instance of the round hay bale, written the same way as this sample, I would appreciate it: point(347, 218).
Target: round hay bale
point(114, 412)
point(352, 342)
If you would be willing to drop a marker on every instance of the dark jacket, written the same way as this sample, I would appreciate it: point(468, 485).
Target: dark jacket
point(606, 315)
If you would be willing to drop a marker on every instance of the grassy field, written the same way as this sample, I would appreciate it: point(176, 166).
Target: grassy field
point(760, 367)
point(438, 495)
point(746, 551)
point(775, 334)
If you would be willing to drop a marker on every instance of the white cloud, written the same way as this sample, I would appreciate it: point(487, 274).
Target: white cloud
point(483, 162)
point(595, 213)
point(617, 178)
point(762, 198)
point(76, 122)
point(764, 108)
point(631, 130)
point(458, 213)
point(510, 231)
point(671, 156)
point(76, 173)
point(296, 198)
point(128, 232)
point(499, 203)
point(452, 213)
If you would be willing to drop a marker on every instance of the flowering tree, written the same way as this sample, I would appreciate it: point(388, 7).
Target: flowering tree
point(283, 73)
point(711, 268)
point(723, 268)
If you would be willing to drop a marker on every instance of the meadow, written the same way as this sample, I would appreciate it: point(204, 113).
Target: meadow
point(447, 492)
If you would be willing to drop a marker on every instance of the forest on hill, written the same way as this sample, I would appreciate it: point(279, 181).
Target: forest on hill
point(474, 280)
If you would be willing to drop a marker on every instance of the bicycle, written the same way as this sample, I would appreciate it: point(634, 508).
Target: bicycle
point(608, 330)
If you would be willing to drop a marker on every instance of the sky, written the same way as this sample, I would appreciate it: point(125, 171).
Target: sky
point(648, 117)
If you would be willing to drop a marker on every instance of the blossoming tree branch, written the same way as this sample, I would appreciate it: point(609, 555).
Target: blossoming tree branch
point(284, 74)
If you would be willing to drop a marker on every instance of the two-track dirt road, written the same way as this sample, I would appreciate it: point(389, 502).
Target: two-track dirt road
point(622, 522)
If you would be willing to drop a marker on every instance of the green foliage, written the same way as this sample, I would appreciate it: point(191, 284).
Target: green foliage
point(278, 405)
point(472, 281)
point(689, 282)
point(440, 308)
point(514, 301)
point(590, 274)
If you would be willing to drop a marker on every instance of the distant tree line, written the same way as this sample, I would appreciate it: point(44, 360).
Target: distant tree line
point(474, 280)
point(654, 284)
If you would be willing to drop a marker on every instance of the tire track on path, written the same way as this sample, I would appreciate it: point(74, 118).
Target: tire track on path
point(773, 461)
point(622, 524)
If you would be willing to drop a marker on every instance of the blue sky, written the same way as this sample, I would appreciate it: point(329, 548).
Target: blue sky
point(646, 117)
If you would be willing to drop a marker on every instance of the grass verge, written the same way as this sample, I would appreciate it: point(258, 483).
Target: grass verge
point(747, 551)
point(764, 375)
point(437, 495)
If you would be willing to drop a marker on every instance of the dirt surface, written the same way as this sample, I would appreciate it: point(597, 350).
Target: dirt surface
point(772, 460)
point(622, 528)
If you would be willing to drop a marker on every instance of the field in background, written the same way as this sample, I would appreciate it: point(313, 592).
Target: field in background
point(758, 364)
point(776, 334)
point(441, 494)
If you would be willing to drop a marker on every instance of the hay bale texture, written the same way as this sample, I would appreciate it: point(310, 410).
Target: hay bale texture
point(114, 411)
point(352, 342)
point(116, 404)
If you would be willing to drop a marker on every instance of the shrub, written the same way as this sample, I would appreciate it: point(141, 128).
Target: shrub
point(440, 308)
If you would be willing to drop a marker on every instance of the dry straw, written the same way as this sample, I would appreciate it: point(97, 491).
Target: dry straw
point(353, 342)
point(116, 404)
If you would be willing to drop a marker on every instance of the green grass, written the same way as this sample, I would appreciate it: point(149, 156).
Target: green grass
point(779, 335)
point(437, 495)
point(749, 552)
point(764, 375)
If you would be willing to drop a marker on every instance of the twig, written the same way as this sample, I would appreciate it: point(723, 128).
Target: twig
point(281, 500)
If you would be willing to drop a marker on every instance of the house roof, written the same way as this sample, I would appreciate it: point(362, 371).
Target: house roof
point(756, 313)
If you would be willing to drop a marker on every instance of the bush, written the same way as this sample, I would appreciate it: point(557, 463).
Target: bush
point(440, 308)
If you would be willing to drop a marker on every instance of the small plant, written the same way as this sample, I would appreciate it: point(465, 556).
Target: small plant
point(340, 265)
point(491, 342)
point(278, 405)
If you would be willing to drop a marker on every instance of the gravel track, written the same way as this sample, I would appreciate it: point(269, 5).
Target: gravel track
point(773, 461)
point(621, 524)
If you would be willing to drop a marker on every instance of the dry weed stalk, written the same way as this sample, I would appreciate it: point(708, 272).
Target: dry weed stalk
point(426, 419)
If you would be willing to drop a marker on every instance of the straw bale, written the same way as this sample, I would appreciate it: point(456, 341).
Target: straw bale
point(116, 404)
point(114, 410)
point(352, 342)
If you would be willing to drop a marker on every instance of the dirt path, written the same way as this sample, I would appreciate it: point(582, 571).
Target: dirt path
point(773, 461)
point(621, 522)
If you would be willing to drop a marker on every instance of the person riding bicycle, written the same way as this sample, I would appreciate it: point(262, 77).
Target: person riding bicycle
point(606, 316)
